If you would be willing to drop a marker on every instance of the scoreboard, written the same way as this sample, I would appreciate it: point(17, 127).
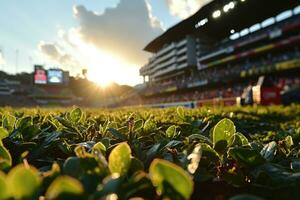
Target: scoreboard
point(50, 76)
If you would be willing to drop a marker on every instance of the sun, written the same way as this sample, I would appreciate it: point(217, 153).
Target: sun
point(105, 68)
point(96, 76)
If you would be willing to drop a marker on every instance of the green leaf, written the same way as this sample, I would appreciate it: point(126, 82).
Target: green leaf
point(269, 151)
point(9, 122)
point(162, 171)
point(256, 145)
point(117, 134)
point(171, 131)
point(5, 158)
point(3, 186)
point(180, 112)
point(246, 157)
point(136, 165)
point(223, 130)
point(111, 185)
point(221, 147)
point(72, 167)
point(199, 137)
point(99, 147)
point(172, 144)
point(154, 150)
point(3, 133)
point(275, 175)
point(235, 140)
point(120, 159)
point(149, 126)
point(76, 115)
point(29, 132)
point(64, 187)
point(295, 165)
point(138, 125)
point(64, 122)
point(289, 141)
point(80, 152)
point(23, 182)
point(238, 139)
point(243, 138)
point(209, 155)
point(139, 184)
point(24, 122)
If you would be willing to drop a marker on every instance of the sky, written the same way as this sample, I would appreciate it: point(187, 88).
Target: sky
point(104, 36)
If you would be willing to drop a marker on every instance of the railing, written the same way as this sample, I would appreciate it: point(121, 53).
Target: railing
point(161, 72)
point(165, 50)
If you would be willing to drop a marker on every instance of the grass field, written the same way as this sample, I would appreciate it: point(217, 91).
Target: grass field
point(206, 153)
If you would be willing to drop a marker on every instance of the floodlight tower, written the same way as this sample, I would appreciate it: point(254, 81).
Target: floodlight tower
point(84, 73)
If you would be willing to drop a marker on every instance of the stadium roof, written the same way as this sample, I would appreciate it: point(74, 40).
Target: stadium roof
point(244, 14)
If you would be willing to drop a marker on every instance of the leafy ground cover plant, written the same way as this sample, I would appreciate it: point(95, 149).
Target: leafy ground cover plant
point(207, 153)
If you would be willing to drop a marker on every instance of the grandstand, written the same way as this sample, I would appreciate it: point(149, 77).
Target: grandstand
point(213, 56)
point(12, 94)
point(8, 87)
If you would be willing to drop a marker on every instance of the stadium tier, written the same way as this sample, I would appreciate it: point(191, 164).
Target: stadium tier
point(223, 49)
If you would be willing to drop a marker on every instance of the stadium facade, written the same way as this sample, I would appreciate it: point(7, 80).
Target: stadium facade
point(173, 57)
point(223, 48)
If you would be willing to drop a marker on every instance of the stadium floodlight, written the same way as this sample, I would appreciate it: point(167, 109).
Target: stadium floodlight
point(226, 8)
point(284, 15)
point(201, 23)
point(235, 36)
point(243, 0)
point(254, 28)
point(244, 32)
point(297, 10)
point(216, 14)
point(232, 31)
point(229, 6)
point(268, 22)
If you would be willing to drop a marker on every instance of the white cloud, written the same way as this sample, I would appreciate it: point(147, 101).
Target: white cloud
point(55, 53)
point(185, 8)
point(110, 44)
point(123, 31)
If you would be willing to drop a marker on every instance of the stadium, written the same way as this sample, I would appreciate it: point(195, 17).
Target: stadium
point(229, 52)
point(42, 87)
point(224, 54)
point(216, 116)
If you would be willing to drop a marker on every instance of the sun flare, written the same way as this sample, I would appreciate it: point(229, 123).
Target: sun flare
point(105, 68)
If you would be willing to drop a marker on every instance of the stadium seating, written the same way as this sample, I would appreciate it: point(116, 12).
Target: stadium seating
point(226, 65)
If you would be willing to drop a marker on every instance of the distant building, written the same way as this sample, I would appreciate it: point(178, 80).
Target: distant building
point(8, 87)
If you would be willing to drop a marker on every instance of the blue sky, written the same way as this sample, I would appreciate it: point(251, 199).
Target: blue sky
point(25, 23)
